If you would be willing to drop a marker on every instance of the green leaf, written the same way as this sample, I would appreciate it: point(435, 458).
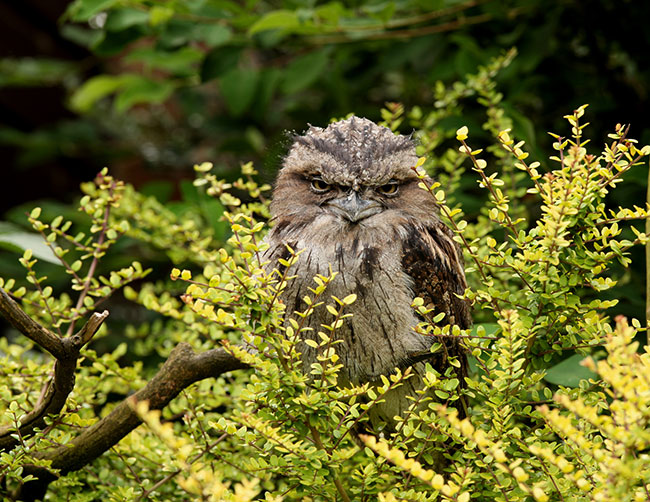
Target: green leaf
point(95, 89)
point(441, 394)
point(268, 83)
point(189, 192)
point(485, 329)
point(212, 35)
point(176, 33)
point(14, 239)
point(160, 14)
point(382, 11)
point(83, 10)
point(218, 62)
point(85, 37)
point(143, 90)
point(213, 211)
point(120, 19)
point(238, 89)
point(279, 19)
point(162, 190)
point(330, 12)
point(569, 372)
point(112, 43)
point(178, 61)
point(304, 71)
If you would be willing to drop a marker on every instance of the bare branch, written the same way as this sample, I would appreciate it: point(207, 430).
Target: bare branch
point(57, 390)
point(85, 334)
point(44, 338)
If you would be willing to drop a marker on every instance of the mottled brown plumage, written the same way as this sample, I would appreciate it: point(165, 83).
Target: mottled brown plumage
point(348, 196)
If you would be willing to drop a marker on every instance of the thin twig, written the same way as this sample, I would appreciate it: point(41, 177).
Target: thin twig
point(93, 265)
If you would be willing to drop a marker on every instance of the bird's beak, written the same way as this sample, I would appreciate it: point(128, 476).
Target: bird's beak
point(355, 208)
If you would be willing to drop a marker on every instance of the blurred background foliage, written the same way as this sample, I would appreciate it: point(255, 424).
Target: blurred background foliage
point(150, 87)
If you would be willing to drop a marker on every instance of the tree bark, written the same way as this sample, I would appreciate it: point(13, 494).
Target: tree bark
point(66, 352)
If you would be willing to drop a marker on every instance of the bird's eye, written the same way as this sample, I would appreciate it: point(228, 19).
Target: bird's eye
point(319, 186)
point(388, 188)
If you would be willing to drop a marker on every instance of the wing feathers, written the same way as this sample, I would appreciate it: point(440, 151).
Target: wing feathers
point(431, 258)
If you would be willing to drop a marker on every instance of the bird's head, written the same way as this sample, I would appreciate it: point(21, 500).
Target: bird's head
point(351, 172)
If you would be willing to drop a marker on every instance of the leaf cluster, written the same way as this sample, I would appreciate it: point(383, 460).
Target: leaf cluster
point(539, 243)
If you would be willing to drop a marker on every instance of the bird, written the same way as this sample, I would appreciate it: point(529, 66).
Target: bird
point(348, 196)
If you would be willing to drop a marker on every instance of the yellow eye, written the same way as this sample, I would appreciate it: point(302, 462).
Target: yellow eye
point(388, 188)
point(319, 186)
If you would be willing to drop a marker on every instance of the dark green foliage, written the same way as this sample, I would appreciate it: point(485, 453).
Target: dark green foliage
point(179, 63)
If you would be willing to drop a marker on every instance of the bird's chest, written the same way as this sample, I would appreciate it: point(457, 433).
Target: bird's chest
point(379, 335)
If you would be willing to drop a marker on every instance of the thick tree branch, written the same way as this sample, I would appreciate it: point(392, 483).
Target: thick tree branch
point(182, 368)
point(30, 328)
point(66, 352)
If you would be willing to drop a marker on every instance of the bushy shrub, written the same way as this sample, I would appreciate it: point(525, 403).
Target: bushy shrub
point(539, 247)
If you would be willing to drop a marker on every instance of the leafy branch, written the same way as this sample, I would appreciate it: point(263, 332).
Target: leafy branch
point(183, 368)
